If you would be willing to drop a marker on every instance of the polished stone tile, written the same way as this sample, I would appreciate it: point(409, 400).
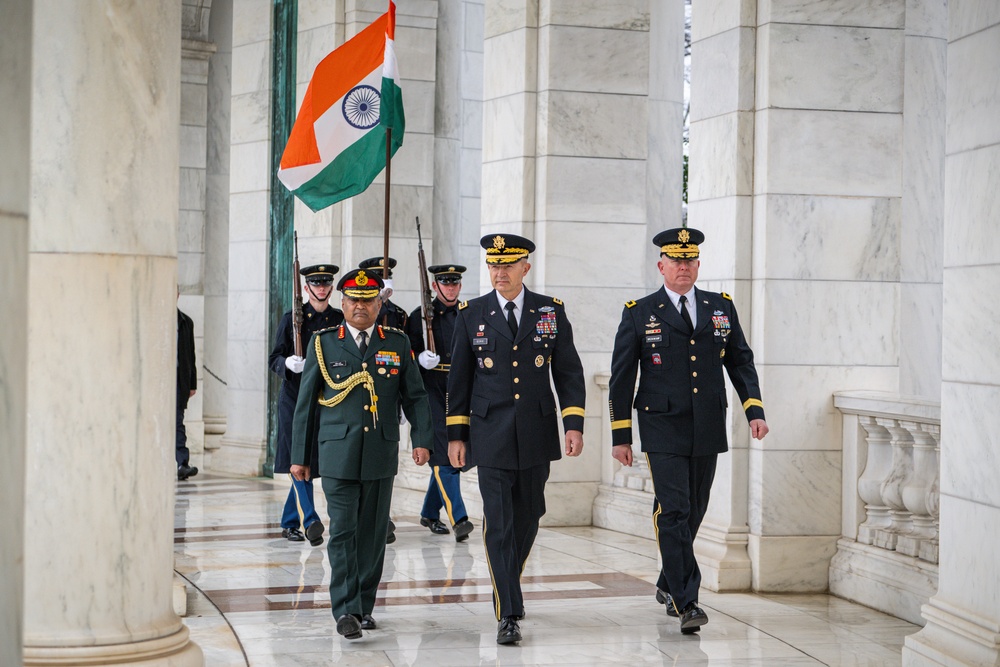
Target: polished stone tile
point(256, 599)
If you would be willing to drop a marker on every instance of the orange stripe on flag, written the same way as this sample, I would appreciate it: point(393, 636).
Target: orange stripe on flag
point(333, 78)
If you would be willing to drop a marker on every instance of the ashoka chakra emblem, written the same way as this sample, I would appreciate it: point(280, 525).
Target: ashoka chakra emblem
point(361, 107)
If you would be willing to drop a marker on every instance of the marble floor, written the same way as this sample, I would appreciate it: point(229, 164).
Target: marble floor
point(257, 599)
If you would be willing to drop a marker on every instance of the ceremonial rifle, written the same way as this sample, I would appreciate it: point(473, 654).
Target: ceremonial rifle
point(427, 297)
point(296, 302)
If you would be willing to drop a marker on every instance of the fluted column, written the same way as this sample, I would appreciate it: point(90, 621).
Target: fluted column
point(101, 394)
point(15, 87)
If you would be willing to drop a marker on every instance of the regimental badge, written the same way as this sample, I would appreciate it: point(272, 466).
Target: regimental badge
point(488, 362)
point(381, 371)
point(684, 236)
point(652, 319)
point(498, 242)
point(539, 361)
point(361, 279)
point(657, 361)
point(482, 327)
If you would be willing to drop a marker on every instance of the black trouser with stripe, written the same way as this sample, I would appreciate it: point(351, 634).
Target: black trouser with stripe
point(513, 503)
point(682, 485)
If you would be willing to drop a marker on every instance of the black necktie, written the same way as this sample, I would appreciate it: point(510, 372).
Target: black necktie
point(363, 345)
point(511, 322)
point(685, 315)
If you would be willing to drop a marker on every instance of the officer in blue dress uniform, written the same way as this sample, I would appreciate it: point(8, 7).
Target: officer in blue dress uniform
point(356, 376)
point(502, 415)
point(679, 339)
point(444, 489)
point(299, 512)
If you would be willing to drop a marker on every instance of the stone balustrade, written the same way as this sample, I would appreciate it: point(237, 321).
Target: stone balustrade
point(891, 472)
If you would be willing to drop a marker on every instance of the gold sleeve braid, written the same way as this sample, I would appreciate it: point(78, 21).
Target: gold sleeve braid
point(361, 377)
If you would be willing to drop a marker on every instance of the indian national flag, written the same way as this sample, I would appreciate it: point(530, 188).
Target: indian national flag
point(337, 145)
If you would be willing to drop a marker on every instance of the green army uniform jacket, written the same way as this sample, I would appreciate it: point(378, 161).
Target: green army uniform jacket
point(353, 444)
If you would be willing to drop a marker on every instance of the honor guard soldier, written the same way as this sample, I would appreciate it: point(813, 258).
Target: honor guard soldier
point(508, 343)
point(444, 489)
point(356, 376)
point(390, 314)
point(300, 512)
point(679, 339)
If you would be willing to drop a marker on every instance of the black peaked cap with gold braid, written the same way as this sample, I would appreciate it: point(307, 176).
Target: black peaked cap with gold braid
point(679, 243)
point(506, 248)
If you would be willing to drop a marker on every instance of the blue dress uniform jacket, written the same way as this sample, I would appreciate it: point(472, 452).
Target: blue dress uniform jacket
point(681, 400)
point(284, 347)
point(351, 445)
point(499, 396)
point(436, 379)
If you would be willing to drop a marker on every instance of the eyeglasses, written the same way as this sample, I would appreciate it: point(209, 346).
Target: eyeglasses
point(448, 280)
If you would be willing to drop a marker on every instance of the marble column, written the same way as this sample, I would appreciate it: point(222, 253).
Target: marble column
point(101, 394)
point(720, 189)
point(565, 87)
point(219, 93)
point(242, 448)
point(15, 120)
point(963, 618)
point(824, 296)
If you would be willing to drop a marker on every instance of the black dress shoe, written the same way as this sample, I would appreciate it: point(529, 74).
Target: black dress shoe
point(436, 526)
point(390, 535)
point(293, 534)
point(314, 533)
point(508, 632)
point(462, 530)
point(367, 622)
point(665, 599)
point(692, 618)
point(184, 471)
point(349, 626)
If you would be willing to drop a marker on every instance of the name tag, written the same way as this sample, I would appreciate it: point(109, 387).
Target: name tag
point(480, 341)
point(654, 339)
point(337, 364)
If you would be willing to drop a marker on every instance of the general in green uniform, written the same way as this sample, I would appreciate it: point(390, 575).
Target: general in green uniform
point(356, 377)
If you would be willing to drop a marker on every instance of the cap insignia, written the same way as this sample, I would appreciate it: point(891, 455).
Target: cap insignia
point(361, 279)
point(498, 242)
point(684, 236)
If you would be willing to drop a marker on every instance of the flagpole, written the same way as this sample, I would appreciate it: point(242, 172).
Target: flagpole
point(388, 180)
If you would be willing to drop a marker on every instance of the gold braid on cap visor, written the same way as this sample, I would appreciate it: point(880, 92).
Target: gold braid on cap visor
point(505, 255)
point(680, 250)
point(362, 292)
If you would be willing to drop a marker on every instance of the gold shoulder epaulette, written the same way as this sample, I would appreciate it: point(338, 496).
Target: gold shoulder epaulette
point(629, 304)
point(726, 296)
point(463, 305)
point(386, 327)
point(557, 301)
point(328, 329)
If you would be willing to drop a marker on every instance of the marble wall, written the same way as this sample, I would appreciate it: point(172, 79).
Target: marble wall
point(15, 118)
point(963, 617)
point(827, 185)
point(105, 102)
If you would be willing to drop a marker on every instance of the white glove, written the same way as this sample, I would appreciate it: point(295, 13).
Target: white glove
point(428, 359)
point(295, 364)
